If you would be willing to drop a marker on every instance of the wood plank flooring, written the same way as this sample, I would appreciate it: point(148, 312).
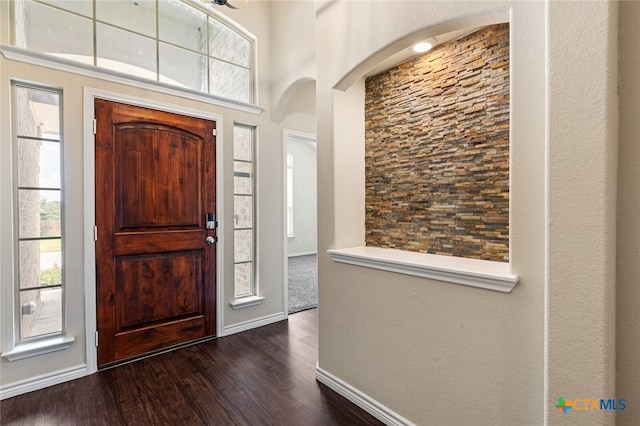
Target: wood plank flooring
point(264, 376)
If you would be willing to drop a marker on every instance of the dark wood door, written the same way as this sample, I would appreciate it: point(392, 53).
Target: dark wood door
point(156, 273)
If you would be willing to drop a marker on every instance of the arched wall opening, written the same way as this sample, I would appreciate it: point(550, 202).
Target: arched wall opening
point(364, 313)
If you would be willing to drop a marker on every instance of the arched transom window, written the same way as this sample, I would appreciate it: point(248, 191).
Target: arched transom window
point(177, 42)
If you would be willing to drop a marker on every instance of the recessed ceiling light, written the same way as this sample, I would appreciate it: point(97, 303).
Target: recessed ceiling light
point(422, 47)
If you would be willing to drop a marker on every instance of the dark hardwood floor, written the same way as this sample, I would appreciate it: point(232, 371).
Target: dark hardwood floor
point(264, 376)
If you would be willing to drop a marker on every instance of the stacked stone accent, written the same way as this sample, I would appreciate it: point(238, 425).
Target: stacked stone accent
point(437, 150)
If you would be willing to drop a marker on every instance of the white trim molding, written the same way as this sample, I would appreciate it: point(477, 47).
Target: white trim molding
point(484, 274)
point(90, 95)
point(39, 347)
point(361, 399)
point(303, 253)
point(43, 381)
point(254, 323)
point(49, 61)
point(245, 302)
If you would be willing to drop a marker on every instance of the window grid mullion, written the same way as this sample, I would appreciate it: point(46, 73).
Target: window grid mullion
point(37, 139)
point(39, 238)
point(39, 188)
point(240, 289)
point(48, 317)
point(42, 287)
point(240, 92)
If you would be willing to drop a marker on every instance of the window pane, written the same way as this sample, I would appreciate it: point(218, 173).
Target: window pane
point(229, 81)
point(183, 25)
point(39, 213)
point(226, 44)
point(243, 211)
point(40, 312)
point(126, 52)
point(38, 164)
point(48, 30)
point(82, 7)
point(242, 179)
point(243, 245)
point(183, 68)
point(243, 279)
point(40, 263)
point(39, 113)
point(138, 15)
point(242, 143)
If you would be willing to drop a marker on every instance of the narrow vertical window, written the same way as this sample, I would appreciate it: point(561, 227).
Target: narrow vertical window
point(39, 225)
point(244, 211)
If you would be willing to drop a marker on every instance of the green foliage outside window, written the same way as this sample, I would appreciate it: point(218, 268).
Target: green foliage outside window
point(49, 210)
point(51, 276)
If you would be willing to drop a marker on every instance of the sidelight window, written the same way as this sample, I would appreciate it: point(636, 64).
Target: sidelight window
point(244, 228)
point(38, 214)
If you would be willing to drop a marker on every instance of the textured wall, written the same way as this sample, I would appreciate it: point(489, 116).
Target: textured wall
point(628, 220)
point(437, 150)
point(580, 215)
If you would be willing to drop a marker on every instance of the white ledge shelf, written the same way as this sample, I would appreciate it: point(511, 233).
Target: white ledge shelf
point(485, 274)
point(39, 347)
point(245, 302)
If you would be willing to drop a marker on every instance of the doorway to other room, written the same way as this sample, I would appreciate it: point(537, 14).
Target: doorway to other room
point(301, 221)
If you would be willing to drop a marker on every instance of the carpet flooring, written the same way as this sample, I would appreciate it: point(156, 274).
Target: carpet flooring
point(303, 283)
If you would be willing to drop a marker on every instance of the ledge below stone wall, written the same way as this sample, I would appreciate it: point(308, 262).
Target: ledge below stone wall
point(437, 150)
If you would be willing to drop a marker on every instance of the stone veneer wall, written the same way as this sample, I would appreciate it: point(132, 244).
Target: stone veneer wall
point(437, 150)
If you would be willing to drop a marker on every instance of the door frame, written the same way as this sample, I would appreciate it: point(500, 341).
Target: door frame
point(90, 95)
point(286, 134)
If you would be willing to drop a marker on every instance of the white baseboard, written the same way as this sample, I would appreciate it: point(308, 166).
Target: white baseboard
point(254, 323)
point(361, 399)
point(40, 382)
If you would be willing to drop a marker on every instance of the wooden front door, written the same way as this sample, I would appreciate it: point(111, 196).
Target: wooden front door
point(156, 265)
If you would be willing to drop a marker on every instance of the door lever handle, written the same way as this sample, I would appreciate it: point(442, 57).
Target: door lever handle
point(210, 240)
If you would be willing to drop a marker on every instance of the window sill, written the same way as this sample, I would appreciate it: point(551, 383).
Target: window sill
point(40, 347)
point(484, 274)
point(245, 302)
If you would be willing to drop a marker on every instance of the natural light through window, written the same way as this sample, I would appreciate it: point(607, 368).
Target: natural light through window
point(244, 211)
point(169, 41)
point(39, 208)
point(290, 196)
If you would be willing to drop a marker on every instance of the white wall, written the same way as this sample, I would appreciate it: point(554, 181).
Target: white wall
point(581, 140)
point(437, 353)
point(305, 219)
point(293, 43)
point(628, 244)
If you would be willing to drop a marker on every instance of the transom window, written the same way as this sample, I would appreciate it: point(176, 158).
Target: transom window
point(170, 41)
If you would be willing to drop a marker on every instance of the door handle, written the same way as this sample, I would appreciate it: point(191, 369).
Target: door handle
point(210, 240)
